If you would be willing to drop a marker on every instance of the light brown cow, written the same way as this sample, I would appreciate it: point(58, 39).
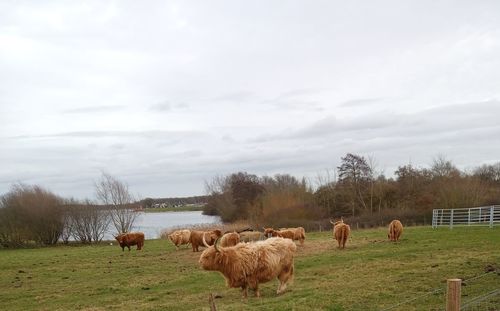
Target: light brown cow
point(196, 238)
point(230, 239)
point(251, 236)
point(298, 234)
point(245, 265)
point(341, 232)
point(395, 230)
point(180, 237)
point(130, 239)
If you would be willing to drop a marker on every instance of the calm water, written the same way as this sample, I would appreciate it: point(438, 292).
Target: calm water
point(153, 223)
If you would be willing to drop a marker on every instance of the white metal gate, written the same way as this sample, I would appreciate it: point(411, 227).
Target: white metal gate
point(476, 216)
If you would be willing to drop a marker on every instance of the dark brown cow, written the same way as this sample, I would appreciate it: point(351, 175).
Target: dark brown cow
point(245, 265)
point(130, 239)
point(395, 230)
point(196, 238)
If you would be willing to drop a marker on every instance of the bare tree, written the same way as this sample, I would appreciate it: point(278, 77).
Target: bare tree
point(118, 199)
point(88, 221)
point(356, 174)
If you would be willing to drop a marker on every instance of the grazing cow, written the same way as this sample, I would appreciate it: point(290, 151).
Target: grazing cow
point(130, 239)
point(230, 239)
point(245, 265)
point(196, 238)
point(180, 237)
point(395, 230)
point(341, 232)
point(298, 233)
point(251, 236)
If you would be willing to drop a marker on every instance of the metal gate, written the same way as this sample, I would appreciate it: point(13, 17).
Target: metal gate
point(476, 216)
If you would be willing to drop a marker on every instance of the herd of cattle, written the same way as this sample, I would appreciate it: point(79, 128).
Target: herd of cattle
point(247, 258)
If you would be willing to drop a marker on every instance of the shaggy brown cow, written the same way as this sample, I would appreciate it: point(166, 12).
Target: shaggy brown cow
point(230, 239)
point(246, 265)
point(180, 237)
point(130, 239)
point(251, 236)
point(196, 238)
point(341, 232)
point(298, 233)
point(395, 230)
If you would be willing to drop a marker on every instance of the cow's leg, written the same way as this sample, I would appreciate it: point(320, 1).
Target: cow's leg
point(128, 247)
point(123, 248)
point(257, 292)
point(284, 277)
point(244, 291)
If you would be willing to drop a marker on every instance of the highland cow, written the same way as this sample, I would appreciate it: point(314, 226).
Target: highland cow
point(196, 238)
point(246, 265)
point(180, 237)
point(230, 239)
point(296, 234)
point(130, 239)
point(251, 236)
point(395, 230)
point(341, 232)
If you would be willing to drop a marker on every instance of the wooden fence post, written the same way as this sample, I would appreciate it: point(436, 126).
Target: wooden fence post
point(211, 302)
point(453, 294)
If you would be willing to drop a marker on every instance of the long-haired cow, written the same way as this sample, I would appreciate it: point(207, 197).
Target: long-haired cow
point(196, 238)
point(341, 232)
point(230, 239)
point(245, 265)
point(180, 237)
point(298, 233)
point(130, 239)
point(251, 236)
point(395, 230)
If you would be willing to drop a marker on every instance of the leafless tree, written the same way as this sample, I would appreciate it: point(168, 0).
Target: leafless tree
point(88, 222)
point(118, 199)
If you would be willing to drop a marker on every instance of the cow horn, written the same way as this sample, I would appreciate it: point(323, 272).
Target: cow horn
point(332, 222)
point(215, 245)
point(205, 241)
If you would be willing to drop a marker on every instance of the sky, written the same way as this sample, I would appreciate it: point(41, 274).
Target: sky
point(165, 95)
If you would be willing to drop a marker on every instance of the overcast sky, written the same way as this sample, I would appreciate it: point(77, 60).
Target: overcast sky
point(167, 94)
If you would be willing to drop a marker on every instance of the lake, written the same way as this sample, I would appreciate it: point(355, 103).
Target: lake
point(153, 223)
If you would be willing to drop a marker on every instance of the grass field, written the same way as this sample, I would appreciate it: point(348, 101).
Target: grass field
point(370, 274)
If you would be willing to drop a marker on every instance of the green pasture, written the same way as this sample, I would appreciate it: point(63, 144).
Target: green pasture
point(370, 274)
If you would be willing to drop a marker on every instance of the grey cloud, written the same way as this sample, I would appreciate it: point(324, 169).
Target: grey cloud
point(95, 109)
point(102, 134)
point(236, 97)
point(360, 102)
point(161, 107)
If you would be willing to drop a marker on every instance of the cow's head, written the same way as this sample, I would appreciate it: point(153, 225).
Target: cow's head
point(119, 238)
point(341, 221)
point(211, 258)
point(269, 232)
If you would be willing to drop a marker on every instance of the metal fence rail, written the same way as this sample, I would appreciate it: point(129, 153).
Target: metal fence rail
point(476, 216)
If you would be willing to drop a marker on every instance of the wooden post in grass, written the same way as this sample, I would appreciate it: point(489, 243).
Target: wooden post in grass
point(453, 294)
point(211, 302)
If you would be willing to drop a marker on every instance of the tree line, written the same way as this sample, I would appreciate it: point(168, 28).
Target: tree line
point(31, 214)
point(354, 190)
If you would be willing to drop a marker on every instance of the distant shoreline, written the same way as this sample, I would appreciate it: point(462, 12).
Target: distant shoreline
point(173, 209)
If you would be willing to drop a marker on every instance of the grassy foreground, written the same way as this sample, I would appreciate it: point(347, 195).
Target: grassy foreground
point(370, 274)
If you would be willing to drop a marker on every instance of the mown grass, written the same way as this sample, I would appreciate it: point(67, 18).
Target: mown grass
point(370, 274)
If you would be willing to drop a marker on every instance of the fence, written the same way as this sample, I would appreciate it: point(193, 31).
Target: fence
point(476, 216)
point(481, 292)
